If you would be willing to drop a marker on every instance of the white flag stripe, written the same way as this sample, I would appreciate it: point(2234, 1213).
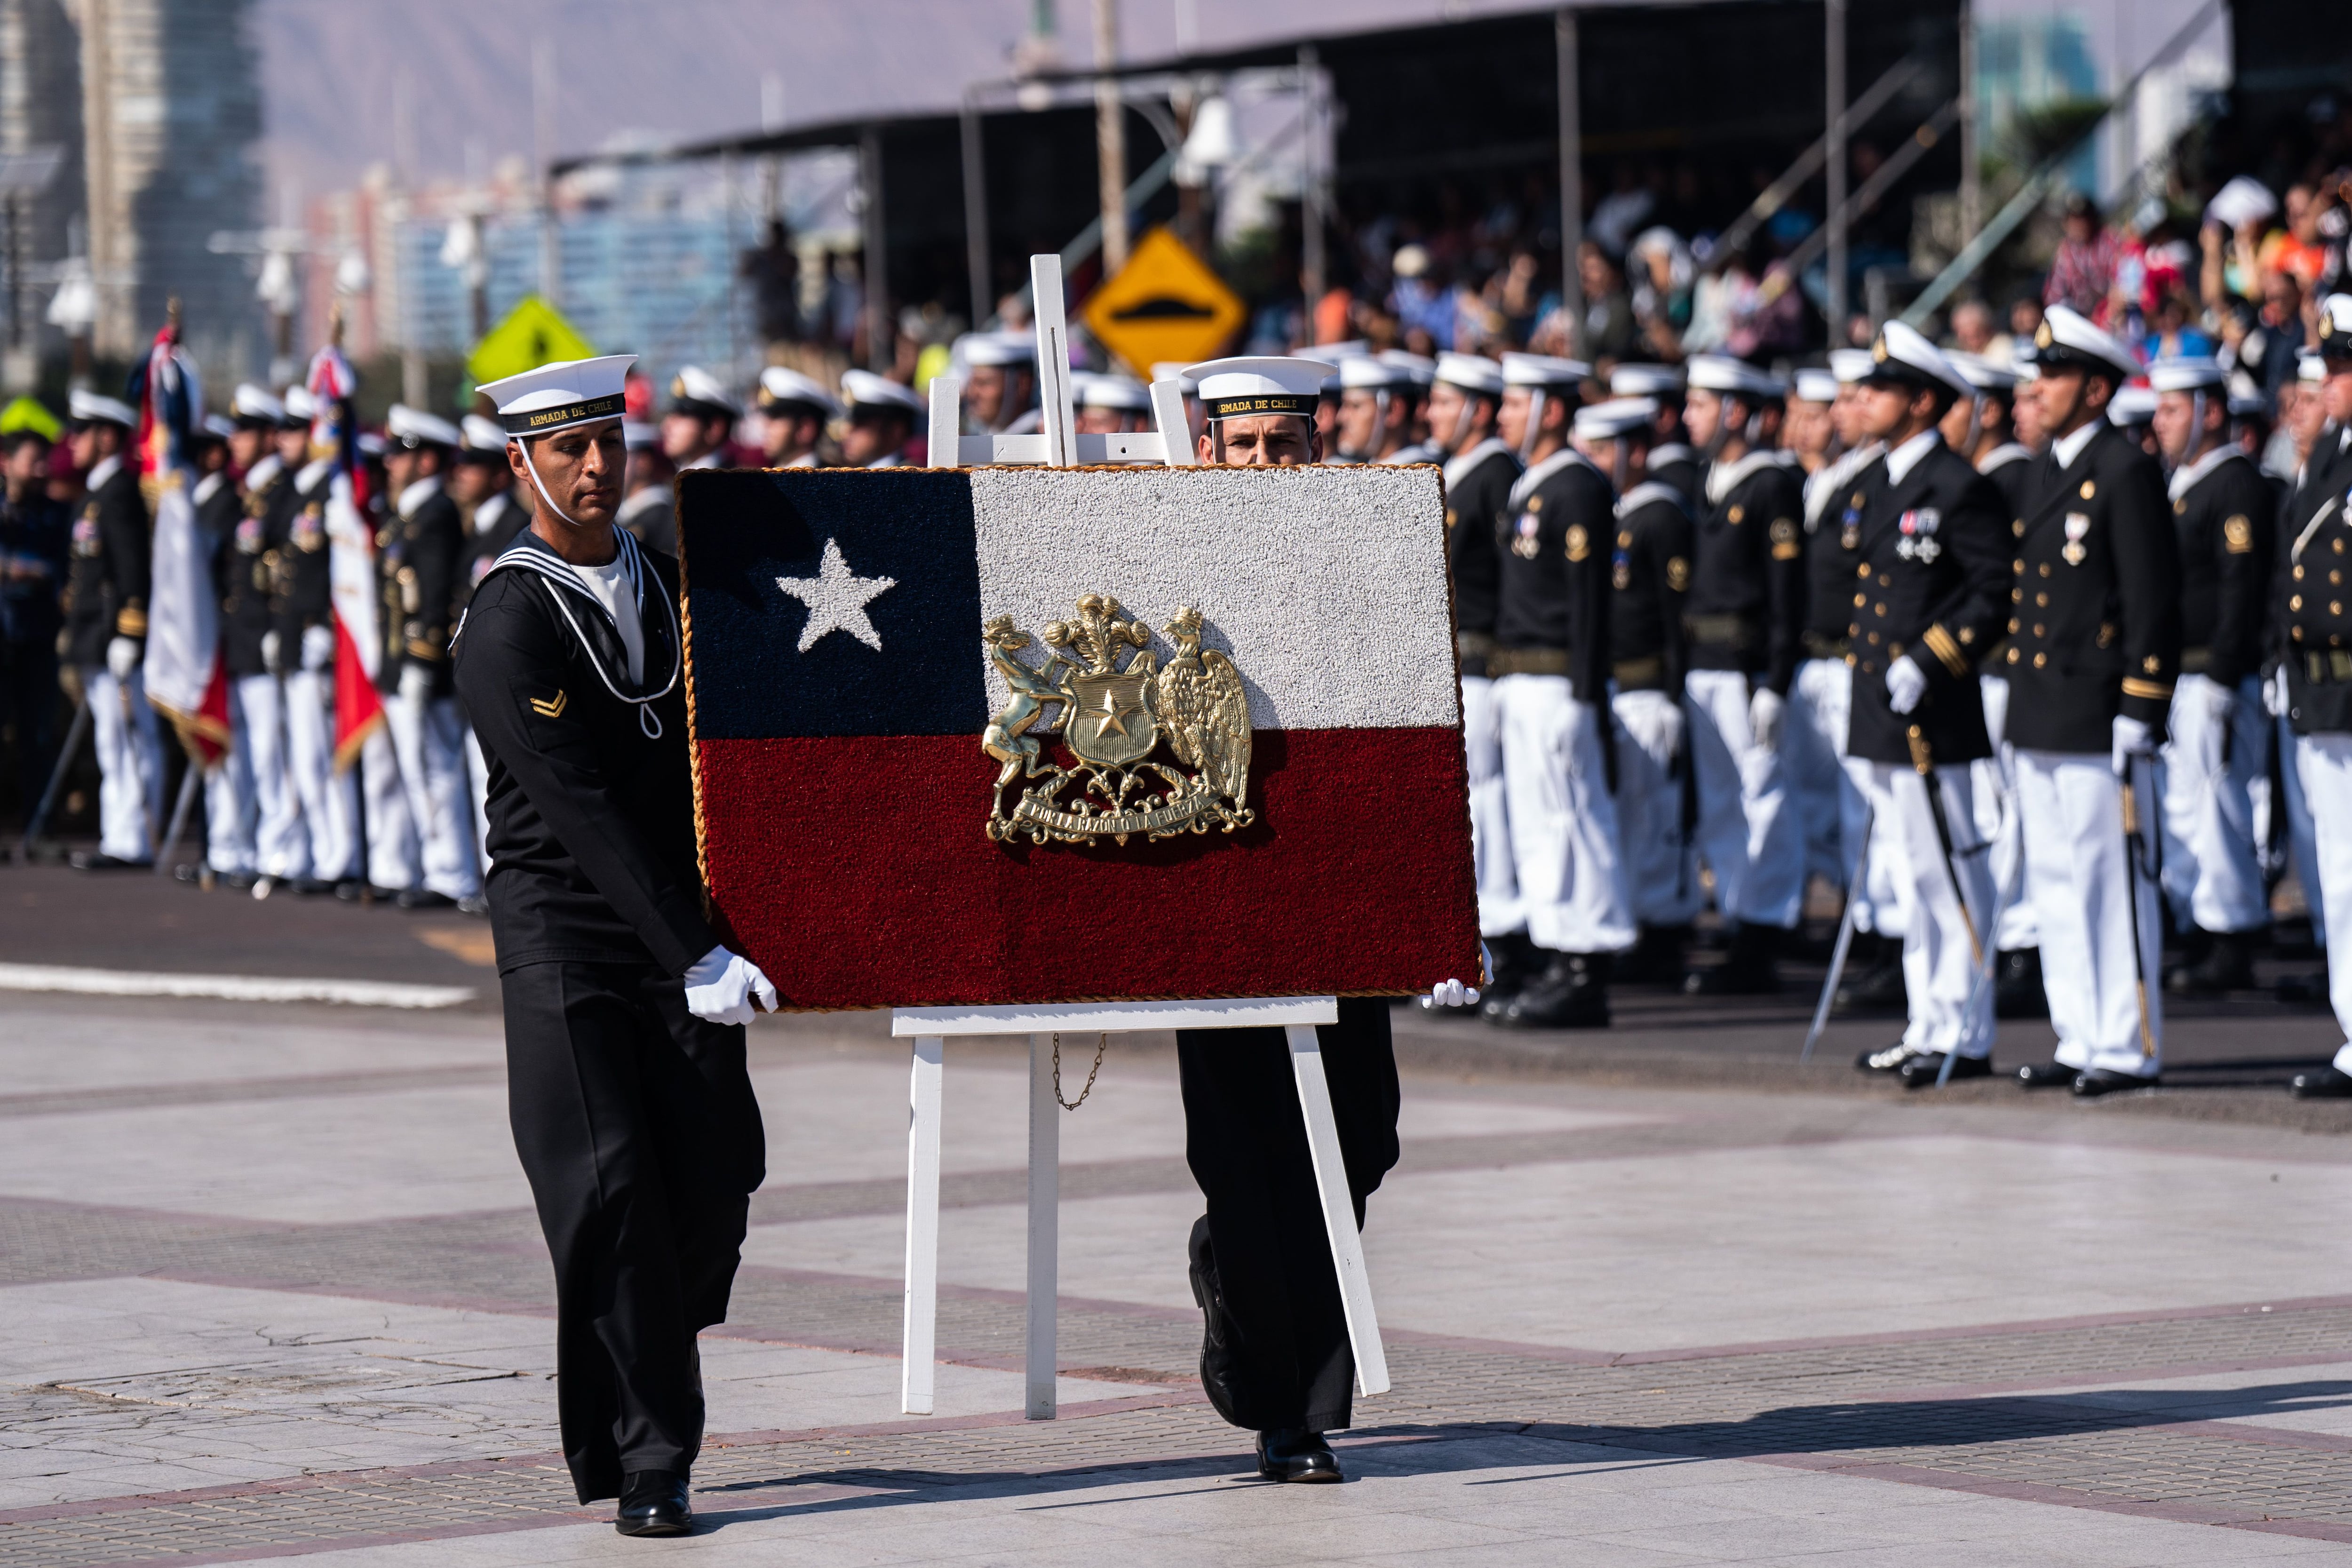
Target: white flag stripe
point(350, 573)
point(1327, 585)
point(183, 613)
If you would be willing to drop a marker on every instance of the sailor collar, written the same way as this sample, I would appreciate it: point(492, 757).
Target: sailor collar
point(1530, 481)
point(1648, 493)
point(209, 486)
point(108, 467)
point(1458, 468)
point(2188, 479)
point(314, 470)
point(1722, 479)
point(263, 474)
point(530, 554)
point(487, 515)
point(2002, 455)
point(418, 492)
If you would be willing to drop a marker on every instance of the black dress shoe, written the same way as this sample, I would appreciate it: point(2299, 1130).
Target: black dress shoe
point(1889, 1058)
point(2302, 990)
point(2093, 1082)
point(96, 860)
point(1572, 992)
point(1872, 981)
point(1746, 969)
point(2046, 1075)
point(1513, 962)
point(193, 874)
point(1293, 1454)
point(1656, 958)
point(423, 899)
point(2322, 1083)
point(1218, 1372)
point(1924, 1071)
point(235, 881)
point(358, 890)
point(312, 887)
point(2016, 991)
point(654, 1502)
point(2228, 964)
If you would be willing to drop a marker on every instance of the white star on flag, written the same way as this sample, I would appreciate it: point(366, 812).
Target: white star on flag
point(837, 599)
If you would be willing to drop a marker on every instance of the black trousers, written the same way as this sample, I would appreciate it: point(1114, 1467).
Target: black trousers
point(1286, 1360)
point(637, 1127)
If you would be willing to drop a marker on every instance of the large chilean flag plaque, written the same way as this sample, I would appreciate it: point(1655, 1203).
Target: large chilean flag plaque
point(1028, 735)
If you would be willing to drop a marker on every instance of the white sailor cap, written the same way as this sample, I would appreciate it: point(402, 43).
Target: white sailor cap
point(89, 408)
point(1543, 370)
point(216, 427)
point(567, 393)
point(2025, 366)
point(866, 390)
point(1260, 384)
point(476, 434)
point(252, 405)
point(1372, 373)
point(782, 387)
point(1338, 352)
point(1902, 355)
point(371, 444)
point(639, 437)
point(1730, 377)
point(2336, 327)
point(301, 405)
point(413, 427)
point(2131, 406)
point(694, 390)
point(1981, 375)
point(2309, 365)
point(1813, 385)
point(2186, 373)
point(1850, 366)
point(1121, 392)
point(999, 349)
point(2245, 405)
point(2067, 339)
point(1644, 381)
point(1471, 372)
point(1419, 369)
point(1177, 372)
point(1616, 418)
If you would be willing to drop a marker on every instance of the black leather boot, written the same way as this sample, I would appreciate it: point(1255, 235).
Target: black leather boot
point(1746, 969)
point(1572, 992)
point(1872, 981)
point(654, 1502)
point(1514, 962)
point(1217, 1370)
point(1656, 958)
point(2017, 990)
point(2227, 964)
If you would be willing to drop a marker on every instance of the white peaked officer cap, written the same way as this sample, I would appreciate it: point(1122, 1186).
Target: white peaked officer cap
point(1618, 417)
point(1979, 373)
point(2066, 339)
point(1543, 370)
point(1644, 381)
point(413, 427)
point(371, 444)
point(639, 437)
point(2310, 366)
point(2131, 406)
point(999, 349)
point(1334, 353)
point(89, 408)
point(254, 403)
point(1419, 369)
point(557, 396)
point(781, 386)
point(1731, 377)
point(1815, 387)
point(693, 387)
point(1471, 372)
point(1121, 392)
point(301, 406)
point(1236, 388)
point(1369, 373)
point(2336, 327)
point(1850, 366)
point(1904, 357)
point(480, 435)
point(2186, 373)
point(866, 390)
point(1175, 371)
point(214, 425)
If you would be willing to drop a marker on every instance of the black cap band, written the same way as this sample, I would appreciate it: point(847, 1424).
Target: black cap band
point(540, 421)
point(1301, 404)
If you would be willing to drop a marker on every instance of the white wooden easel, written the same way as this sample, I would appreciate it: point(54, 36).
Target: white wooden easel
point(930, 1026)
point(1061, 445)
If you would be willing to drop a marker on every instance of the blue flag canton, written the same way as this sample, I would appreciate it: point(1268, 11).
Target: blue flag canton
point(832, 602)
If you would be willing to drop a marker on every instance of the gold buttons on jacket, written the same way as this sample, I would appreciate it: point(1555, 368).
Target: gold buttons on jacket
point(2017, 595)
point(2040, 660)
point(2295, 602)
point(2013, 652)
point(2018, 528)
point(2045, 569)
point(2336, 545)
point(2012, 625)
point(2016, 566)
point(1885, 581)
point(1859, 599)
point(2089, 489)
point(2298, 574)
point(2040, 630)
point(1862, 571)
point(1879, 610)
point(2041, 598)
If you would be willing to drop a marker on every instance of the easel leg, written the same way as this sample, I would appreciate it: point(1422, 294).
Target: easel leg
point(922, 1227)
point(1045, 1225)
point(1338, 1209)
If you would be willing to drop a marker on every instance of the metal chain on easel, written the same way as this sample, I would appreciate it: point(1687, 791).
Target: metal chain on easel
point(1069, 1105)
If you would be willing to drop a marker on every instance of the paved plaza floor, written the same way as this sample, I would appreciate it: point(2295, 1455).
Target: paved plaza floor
point(269, 1286)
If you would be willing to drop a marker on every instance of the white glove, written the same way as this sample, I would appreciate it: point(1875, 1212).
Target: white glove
point(415, 684)
point(271, 645)
point(2132, 739)
point(2221, 702)
point(2274, 696)
point(317, 647)
point(122, 658)
point(1906, 684)
point(1764, 718)
point(726, 988)
point(1451, 993)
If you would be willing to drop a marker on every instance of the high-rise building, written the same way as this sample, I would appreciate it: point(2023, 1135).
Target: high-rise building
point(41, 139)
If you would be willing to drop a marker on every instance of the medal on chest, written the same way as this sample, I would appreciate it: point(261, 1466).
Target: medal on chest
point(1918, 542)
point(1849, 525)
point(2078, 523)
point(1524, 542)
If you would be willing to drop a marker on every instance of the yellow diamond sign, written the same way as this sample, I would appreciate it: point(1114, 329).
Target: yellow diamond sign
point(1165, 304)
point(534, 333)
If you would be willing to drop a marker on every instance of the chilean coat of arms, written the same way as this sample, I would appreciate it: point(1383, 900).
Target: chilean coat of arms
point(1112, 719)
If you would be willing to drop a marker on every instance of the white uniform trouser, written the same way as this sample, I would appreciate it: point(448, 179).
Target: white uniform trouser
point(2082, 882)
point(392, 860)
point(1571, 879)
point(1939, 949)
point(329, 800)
point(129, 761)
point(1490, 824)
point(281, 843)
point(1749, 831)
point(1661, 871)
point(1819, 701)
point(2212, 874)
point(428, 736)
point(1821, 712)
point(228, 796)
point(2302, 832)
point(2324, 765)
point(1996, 782)
point(477, 781)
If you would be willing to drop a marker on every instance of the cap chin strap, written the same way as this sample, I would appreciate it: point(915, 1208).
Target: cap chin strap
point(1621, 467)
point(1462, 423)
point(2197, 448)
point(1380, 422)
point(540, 485)
point(1535, 421)
point(1976, 425)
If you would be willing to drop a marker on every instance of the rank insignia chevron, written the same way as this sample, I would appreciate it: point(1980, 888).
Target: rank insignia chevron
point(550, 708)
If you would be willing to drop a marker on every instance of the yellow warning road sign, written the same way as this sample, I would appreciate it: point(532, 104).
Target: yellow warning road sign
point(534, 333)
point(1165, 304)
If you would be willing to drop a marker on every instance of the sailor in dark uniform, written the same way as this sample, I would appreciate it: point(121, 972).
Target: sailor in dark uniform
point(1412, 409)
point(1672, 459)
point(882, 418)
point(1925, 597)
point(231, 810)
point(2221, 508)
point(106, 632)
point(1550, 666)
point(794, 410)
point(2094, 655)
point(305, 624)
point(253, 563)
point(492, 513)
point(632, 1113)
point(1375, 409)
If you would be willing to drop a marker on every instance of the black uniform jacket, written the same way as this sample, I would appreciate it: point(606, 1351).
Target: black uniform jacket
point(1477, 489)
point(417, 548)
point(1552, 615)
point(1834, 551)
point(1649, 578)
point(2224, 512)
point(2311, 634)
point(2094, 600)
point(1675, 464)
point(1747, 602)
point(245, 564)
point(492, 526)
point(2010, 467)
point(305, 587)
point(1927, 584)
point(591, 806)
point(107, 582)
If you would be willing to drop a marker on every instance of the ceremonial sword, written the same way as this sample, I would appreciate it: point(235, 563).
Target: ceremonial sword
point(1844, 938)
point(2133, 872)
